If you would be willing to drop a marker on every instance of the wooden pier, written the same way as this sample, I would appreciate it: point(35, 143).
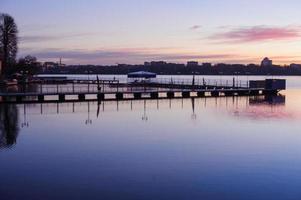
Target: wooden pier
point(132, 92)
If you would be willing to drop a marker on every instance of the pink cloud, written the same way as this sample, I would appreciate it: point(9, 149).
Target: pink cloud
point(258, 34)
point(195, 27)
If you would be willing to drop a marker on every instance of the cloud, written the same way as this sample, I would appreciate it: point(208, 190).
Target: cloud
point(195, 27)
point(130, 56)
point(257, 34)
point(43, 38)
point(32, 39)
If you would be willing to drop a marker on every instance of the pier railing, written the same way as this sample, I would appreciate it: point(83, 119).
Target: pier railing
point(199, 80)
point(114, 85)
point(203, 82)
point(138, 90)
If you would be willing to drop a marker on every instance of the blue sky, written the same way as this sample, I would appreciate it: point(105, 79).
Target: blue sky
point(134, 31)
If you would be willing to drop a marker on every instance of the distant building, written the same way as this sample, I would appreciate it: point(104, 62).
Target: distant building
point(61, 64)
point(207, 65)
point(49, 65)
point(252, 65)
point(192, 64)
point(147, 64)
point(158, 63)
point(122, 65)
point(266, 62)
point(295, 66)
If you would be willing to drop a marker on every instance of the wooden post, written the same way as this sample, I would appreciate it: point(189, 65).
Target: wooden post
point(103, 86)
point(137, 95)
point(170, 94)
point(61, 97)
point(98, 85)
point(81, 97)
point(117, 85)
point(185, 94)
point(41, 98)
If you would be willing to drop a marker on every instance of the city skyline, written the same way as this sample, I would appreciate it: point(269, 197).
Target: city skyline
point(106, 33)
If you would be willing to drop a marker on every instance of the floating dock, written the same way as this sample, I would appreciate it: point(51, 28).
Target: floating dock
point(134, 91)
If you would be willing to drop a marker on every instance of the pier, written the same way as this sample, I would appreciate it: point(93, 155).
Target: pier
point(106, 90)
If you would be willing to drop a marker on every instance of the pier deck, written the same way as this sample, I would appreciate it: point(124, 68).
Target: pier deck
point(132, 91)
point(128, 95)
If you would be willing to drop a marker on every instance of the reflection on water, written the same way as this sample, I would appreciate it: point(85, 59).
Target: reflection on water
point(9, 127)
point(257, 107)
point(200, 148)
point(20, 88)
point(265, 107)
point(268, 99)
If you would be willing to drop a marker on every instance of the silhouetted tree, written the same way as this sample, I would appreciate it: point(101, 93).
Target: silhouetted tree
point(28, 65)
point(8, 41)
point(8, 125)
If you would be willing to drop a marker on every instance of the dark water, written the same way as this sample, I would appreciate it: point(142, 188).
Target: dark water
point(213, 148)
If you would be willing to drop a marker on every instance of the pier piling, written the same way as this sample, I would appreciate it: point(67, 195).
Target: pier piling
point(186, 94)
point(170, 94)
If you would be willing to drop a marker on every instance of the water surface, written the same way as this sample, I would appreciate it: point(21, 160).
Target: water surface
point(206, 148)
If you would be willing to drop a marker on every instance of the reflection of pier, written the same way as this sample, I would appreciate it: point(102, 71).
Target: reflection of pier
point(145, 90)
point(92, 106)
point(268, 99)
point(11, 119)
point(264, 107)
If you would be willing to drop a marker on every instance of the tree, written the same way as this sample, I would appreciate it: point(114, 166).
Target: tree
point(28, 65)
point(8, 41)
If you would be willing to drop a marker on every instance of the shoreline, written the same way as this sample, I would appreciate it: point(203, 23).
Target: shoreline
point(110, 74)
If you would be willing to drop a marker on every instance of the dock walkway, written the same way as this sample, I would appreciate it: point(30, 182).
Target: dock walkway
point(119, 91)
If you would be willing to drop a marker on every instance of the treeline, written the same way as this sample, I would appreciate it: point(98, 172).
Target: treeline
point(176, 69)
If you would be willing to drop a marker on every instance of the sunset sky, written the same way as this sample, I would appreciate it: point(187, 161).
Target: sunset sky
point(134, 31)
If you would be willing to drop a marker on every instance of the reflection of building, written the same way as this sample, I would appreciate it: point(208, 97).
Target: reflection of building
point(268, 99)
point(264, 107)
point(266, 62)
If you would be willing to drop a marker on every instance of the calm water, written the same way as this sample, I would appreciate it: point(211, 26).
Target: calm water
point(213, 148)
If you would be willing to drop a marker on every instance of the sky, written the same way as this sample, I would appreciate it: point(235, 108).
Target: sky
point(108, 32)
